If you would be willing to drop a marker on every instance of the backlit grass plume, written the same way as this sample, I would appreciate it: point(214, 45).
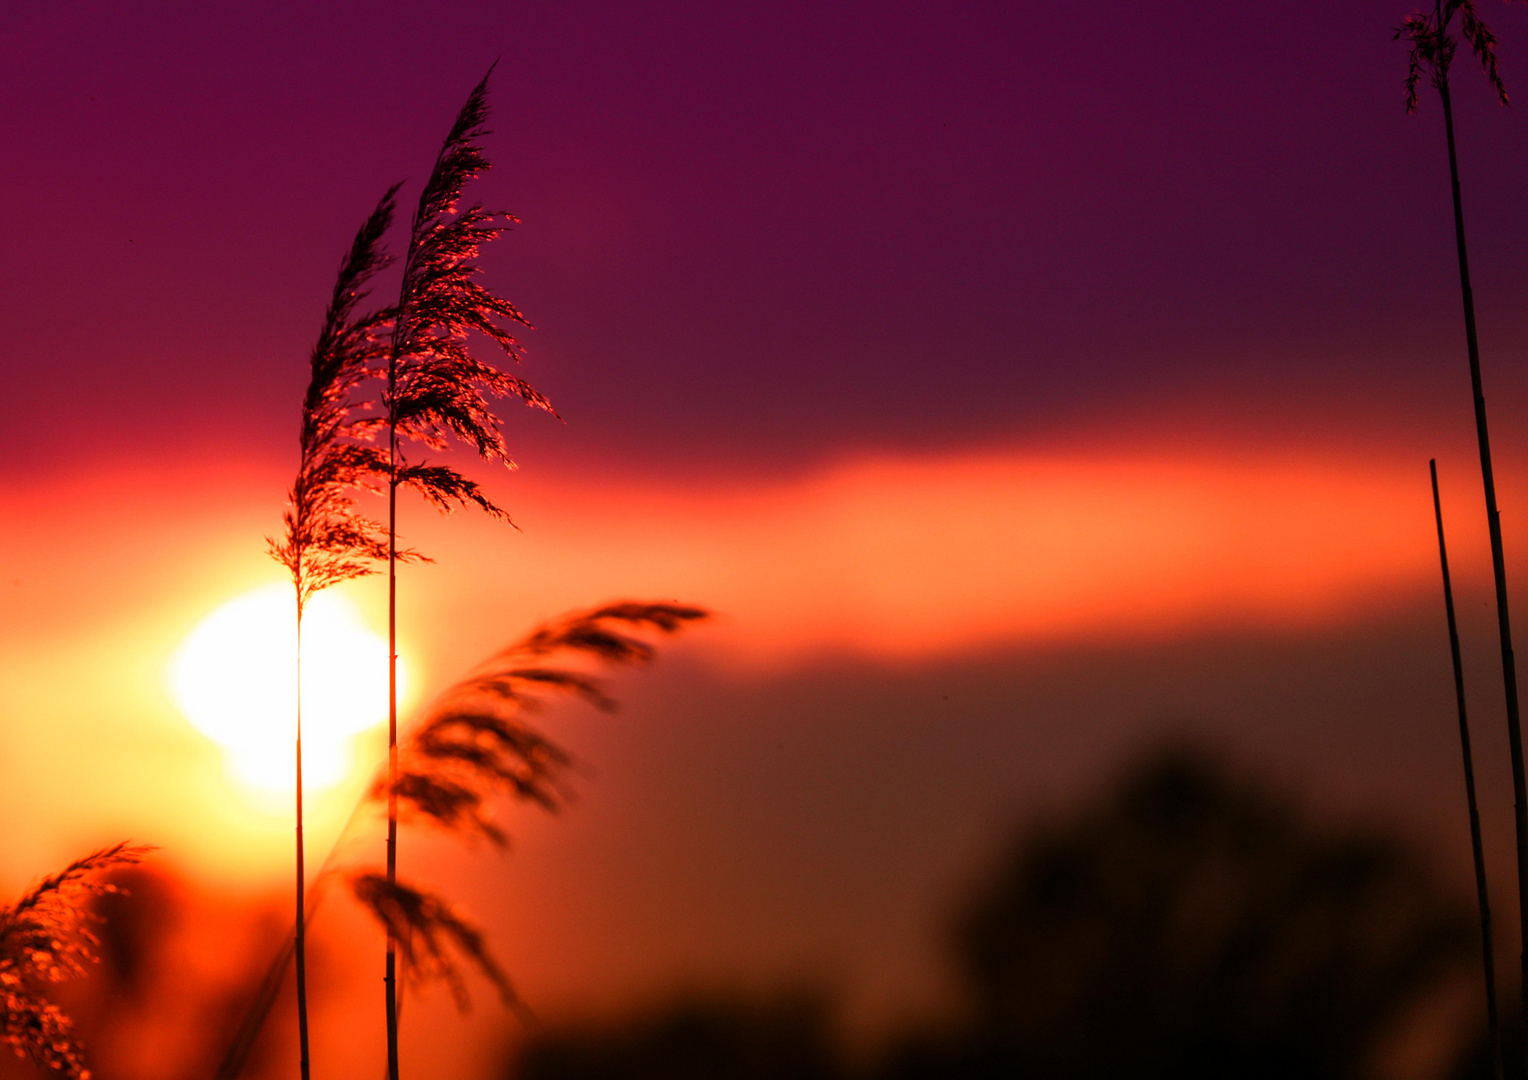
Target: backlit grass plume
point(430, 936)
point(473, 741)
point(1432, 50)
point(45, 937)
point(438, 388)
point(326, 540)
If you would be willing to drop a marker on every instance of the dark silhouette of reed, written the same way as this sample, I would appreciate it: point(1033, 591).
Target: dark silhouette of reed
point(428, 930)
point(45, 937)
point(473, 742)
point(326, 540)
point(470, 744)
point(437, 388)
point(1432, 49)
point(1483, 896)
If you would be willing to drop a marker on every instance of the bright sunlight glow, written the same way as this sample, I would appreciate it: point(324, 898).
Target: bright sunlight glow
point(235, 679)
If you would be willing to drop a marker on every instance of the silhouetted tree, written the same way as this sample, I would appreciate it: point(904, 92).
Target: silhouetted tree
point(1187, 925)
point(1191, 926)
point(1433, 49)
point(722, 1037)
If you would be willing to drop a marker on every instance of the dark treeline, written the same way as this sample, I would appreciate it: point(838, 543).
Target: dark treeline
point(1186, 924)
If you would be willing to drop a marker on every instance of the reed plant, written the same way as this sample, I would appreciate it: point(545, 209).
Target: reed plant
point(1482, 893)
point(326, 540)
point(45, 937)
point(473, 744)
point(438, 388)
point(1433, 48)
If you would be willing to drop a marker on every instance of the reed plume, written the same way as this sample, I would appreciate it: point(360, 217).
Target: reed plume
point(327, 540)
point(448, 777)
point(473, 742)
point(428, 931)
point(438, 389)
point(1432, 50)
point(45, 937)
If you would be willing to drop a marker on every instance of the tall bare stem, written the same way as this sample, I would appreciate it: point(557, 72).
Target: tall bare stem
point(1432, 49)
point(437, 388)
point(1482, 894)
point(326, 540)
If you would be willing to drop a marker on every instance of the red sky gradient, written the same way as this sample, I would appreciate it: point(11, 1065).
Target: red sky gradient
point(1017, 382)
point(867, 586)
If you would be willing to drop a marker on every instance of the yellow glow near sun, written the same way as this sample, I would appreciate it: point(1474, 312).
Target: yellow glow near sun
point(235, 679)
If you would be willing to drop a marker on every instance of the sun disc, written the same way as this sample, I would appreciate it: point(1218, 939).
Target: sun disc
point(235, 679)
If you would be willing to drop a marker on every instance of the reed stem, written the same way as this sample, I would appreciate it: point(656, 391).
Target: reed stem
point(301, 921)
point(1498, 562)
point(1488, 955)
point(390, 978)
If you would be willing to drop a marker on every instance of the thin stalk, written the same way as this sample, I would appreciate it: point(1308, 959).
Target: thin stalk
point(592, 634)
point(394, 352)
point(390, 978)
point(325, 541)
point(260, 1007)
point(442, 387)
point(1488, 956)
point(1498, 562)
point(301, 922)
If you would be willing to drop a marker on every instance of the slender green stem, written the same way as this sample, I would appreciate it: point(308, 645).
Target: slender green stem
point(1498, 562)
point(1482, 894)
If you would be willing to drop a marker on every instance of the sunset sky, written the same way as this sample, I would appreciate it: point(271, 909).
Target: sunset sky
point(1016, 382)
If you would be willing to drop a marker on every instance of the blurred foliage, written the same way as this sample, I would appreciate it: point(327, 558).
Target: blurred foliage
point(175, 970)
point(1194, 925)
point(783, 1038)
point(48, 936)
point(1187, 924)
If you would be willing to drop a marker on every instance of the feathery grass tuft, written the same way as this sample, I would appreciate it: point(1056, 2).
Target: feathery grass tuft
point(472, 742)
point(450, 779)
point(436, 387)
point(1432, 48)
point(45, 937)
point(327, 541)
point(427, 931)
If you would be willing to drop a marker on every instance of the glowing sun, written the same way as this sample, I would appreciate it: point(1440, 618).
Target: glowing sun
point(235, 679)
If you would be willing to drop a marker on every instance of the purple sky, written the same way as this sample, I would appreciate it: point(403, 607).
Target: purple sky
point(774, 231)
